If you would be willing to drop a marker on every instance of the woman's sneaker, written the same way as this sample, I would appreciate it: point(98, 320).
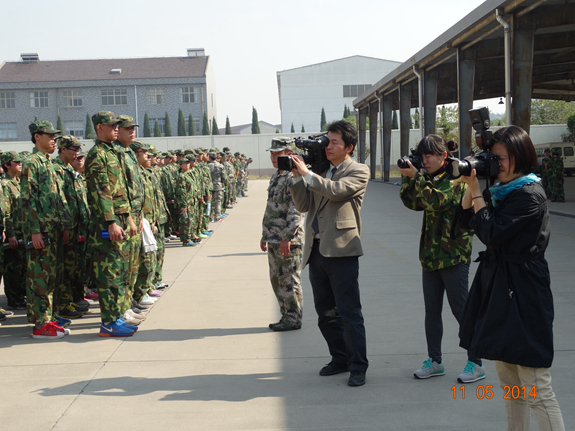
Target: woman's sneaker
point(430, 369)
point(471, 373)
point(48, 331)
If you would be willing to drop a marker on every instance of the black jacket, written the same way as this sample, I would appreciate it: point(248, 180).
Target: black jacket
point(509, 314)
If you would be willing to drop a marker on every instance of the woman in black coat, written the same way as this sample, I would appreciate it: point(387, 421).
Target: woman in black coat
point(508, 316)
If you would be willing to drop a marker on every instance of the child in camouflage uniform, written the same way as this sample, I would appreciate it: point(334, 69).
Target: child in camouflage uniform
point(445, 260)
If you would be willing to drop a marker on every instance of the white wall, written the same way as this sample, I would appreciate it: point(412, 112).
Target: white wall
point(305, 90)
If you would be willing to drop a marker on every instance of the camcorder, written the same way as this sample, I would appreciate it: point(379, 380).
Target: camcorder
point(313, 156)
point(485, 163)
point(415, 159)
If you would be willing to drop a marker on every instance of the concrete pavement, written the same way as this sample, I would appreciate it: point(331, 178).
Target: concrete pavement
point(205, 360)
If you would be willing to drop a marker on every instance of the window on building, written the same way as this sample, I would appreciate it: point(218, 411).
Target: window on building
point(8, 131)
point(190, 94)
point(115, 96)
point(72, 98)
point(354, 90)
point(196, 122)
point(155, 96)
point(8, 99)
point(161, 123)
point(38, 99)
point(74, 128)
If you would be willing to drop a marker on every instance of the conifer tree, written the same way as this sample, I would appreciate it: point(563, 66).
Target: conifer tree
point(89, 129)
point(416, 119)
point(344, 111)
point(228, 127)
point(302, 129)
point(167, 126)
point(147, 128)
point(181, 123)
point(394, 124)
point(206, 125)
point(292, 129)
point(277, 130)
point(215, 130)
point(323, 121)
point(191, 130)
point(59, 124)
point(255, 122)
point(157, 131)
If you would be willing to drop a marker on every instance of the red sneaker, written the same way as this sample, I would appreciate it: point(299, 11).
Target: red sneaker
point(91, 295)
point(47, 331)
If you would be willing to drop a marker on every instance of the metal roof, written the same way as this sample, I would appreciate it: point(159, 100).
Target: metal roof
point(553, 61)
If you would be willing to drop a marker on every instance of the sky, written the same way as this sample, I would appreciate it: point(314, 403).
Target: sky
point(248, 41)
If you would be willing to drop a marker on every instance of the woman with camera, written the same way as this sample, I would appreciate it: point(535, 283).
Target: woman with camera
point(445, 260)
point(508, 316)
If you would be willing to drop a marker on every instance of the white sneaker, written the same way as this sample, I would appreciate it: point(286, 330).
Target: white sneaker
point(173, 237)
point(146, 300)
point(135, 315)
point(130, 320)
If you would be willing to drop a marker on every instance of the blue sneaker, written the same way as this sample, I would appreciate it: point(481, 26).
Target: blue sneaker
point(60, 321)
point(207, 233)
point(224, 214)
point(123, 322)
point(115, 329)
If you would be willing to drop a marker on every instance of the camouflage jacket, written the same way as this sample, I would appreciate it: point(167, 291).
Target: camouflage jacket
point(84, 221)
point(204, 178)
point(439, 198)
point(67, 177)
point(186, 190)
point(167, 181)
point(230, 171)
point(106, 179)
point(44, 206)
point(149, 204)
point(163, 213)
point(133, 180)
point(218, 174)
point(13, 203)
point(555, 169)
point(282, 222)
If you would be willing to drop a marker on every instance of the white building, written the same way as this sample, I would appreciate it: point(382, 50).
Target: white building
point(304, 91)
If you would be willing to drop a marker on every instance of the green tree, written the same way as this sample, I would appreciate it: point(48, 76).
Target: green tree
point(89, 129)
point(448, 120)
point(323, 121)
point(215, 130)
point(570, 136)
point(206, 125)
point(181, 123)
point(59, 125)
point(394, 123)
point(167, 126)
point(191, 131)
point(147, 128)
point(277, 130)
point(551, 111)
point(157, 131)
point(292, 129)
point(228, 127)
point(346, 111)
point(416, 119)
point(255, 122)
point(302, 129)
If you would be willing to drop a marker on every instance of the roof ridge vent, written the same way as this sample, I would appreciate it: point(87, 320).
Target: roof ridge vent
point(29, 58)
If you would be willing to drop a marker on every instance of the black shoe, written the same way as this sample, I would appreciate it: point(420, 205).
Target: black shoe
point(356, 378)
point(271, 325)
point(21, 306)
point(139, 306)
point(285, 326)
point(332, 369)
point(80, 307)
point(69, 312)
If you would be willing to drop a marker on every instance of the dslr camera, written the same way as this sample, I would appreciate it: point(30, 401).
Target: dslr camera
point(313, 154)
point(415, 159)
point(485, 163)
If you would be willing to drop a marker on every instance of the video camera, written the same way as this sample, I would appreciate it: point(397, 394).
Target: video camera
point(314, 157)
point(415, 159)
point(485, 163)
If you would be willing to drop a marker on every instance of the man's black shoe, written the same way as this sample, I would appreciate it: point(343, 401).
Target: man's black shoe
point(332, 369)
point(285, 326)
point(356, 378)
point(271, 325)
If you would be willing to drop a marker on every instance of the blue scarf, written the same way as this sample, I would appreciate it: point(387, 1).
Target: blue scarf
point(500, 191)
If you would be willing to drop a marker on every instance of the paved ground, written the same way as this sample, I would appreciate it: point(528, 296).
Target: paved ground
point(205, 359)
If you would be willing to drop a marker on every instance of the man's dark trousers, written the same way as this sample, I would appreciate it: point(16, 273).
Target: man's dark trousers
point(335, 286)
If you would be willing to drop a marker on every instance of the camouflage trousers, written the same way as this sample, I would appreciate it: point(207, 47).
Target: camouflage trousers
point(72, 285)
point(233, 190)
point(110, 266)
point(187, 224)
point(555, 190)
point(135, 244)
point(204, 217)
point(44, 268)
point(15, 274)
point(216, 211)
point(146, 264)
point(285, 277)
point(84, 258)
point(160, 253)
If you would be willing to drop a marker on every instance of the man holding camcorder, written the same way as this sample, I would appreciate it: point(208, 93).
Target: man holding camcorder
point(333, 199)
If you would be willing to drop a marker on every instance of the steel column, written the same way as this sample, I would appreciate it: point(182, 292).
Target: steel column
point(361, 129)
point(387, 114)
point(430, 79)
point(523, 38)
point(373, 111)
point(465, 84)
point(404, 117)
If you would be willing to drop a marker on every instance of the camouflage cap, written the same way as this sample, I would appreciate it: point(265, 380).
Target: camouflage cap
point(179, 152)
point(226, 149)
point(189, 151)
point(222, 154)
point(68, 141)
point(212, 155)
point(42, 126)
point(138, 145)
point(126, 121)
point(81, 154)
point(11, 156)
point(105, 117)
point(279, 144)
point(184, 160)
point(25, 153)
point(237, 153)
